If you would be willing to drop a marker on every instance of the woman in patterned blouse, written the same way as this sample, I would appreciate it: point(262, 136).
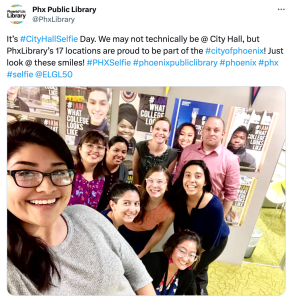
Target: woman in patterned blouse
point(90, 175)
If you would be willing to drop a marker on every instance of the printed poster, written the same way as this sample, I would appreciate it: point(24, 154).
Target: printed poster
point(240, 206)
point(40, 100)
point(87, 109)
point(249, 134)
point(188, 120)
point(137, 113)
point(50, 123)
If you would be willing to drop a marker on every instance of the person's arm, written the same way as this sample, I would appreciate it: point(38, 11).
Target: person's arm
point(227, 204)
point(146, 290)
point(172, 165)
point(135, 163)
point(231, 185)
point(158, 234)
point(179, 167)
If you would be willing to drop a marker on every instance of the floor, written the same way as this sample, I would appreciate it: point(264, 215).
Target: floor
point(250, 278)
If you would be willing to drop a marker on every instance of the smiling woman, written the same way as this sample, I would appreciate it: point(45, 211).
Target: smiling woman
point(154, 152)
point(114, 167)
point(90, 177)
point(155, 214)
point(47, 240)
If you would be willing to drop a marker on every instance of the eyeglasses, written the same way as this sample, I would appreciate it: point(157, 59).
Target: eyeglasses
point(191, 257)
point(32, 178)
point(91, 147)
point(153, 181)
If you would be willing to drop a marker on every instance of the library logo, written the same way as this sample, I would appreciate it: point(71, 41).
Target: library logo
point(16, 14)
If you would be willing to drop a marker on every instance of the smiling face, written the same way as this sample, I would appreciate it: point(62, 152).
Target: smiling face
point(238, 139)
point(161, 132)
point(186, 247)
point(98, 107)
point(125, 129)
point(158, 188)
point(117, 153)
point(186, 136)
point(91, 156)
point(127, 207)
point(19, 200)
point(193, 180)
point(212, 133)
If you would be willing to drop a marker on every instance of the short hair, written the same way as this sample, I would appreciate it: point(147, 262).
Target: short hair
point(119, 189)
point(144, 196)
point(118, 139)
point(99, 89)
point(95, 138)
point(241, 128)
point(162, 119)
point(179, 195)
point(178, 238)
point(217, 118)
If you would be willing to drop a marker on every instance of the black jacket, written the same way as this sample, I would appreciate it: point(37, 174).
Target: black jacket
point(156, 264)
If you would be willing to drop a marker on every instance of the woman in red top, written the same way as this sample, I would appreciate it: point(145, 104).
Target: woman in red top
point(155, 215)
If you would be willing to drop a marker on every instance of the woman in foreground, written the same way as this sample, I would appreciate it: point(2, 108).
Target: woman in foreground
point(198, 210)
point(171, 269)
point(54, 249)
point(124, 204)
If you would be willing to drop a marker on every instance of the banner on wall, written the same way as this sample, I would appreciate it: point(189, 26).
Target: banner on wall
point(40, 100)
point(136, 115)
point(240, 206)
point(50, 123)
point(188, 120)
point(249, 135)
point(87, 109)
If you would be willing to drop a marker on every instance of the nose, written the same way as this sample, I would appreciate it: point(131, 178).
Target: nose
point(97, 107)
point(46, 186)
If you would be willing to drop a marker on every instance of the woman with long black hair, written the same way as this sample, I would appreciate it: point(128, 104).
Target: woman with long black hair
point(197, 209)
point(55, 249)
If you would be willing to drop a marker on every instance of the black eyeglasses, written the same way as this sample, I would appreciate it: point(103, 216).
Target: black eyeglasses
point(32, 178)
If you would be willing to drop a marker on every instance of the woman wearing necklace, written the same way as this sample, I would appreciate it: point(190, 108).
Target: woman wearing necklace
point(124, 204)
point(171, 269)
point(155, 214)
point(154, 152)
point(198, 210)
point(88, 183)
point(115, 155)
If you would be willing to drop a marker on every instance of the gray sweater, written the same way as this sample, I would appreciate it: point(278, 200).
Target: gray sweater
point(94, 259)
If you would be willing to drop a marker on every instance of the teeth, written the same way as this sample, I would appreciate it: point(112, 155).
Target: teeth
point(50, 201)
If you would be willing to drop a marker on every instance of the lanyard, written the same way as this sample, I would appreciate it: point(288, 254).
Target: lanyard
point(165, 281)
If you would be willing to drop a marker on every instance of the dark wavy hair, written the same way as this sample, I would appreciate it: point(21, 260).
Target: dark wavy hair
point(176, 144)
point(177, 238)
point(144, 196)
point(30, 254)
point(95, 138)
point(178, 192)
point(119, 189)
point(99, 89)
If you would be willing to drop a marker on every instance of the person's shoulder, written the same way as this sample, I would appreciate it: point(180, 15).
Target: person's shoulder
point(80, 212)
point(231, 156)
point(215, 203)
point(154, 258)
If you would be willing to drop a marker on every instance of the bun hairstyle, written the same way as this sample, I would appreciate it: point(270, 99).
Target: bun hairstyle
point(30, 254)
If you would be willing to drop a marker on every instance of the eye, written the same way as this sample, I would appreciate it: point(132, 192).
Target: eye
point(137, 203)
point(124, 152)
point(25, 174)
point(159, 182)
point(126, 203)
point(181, 250)
point(122, 126)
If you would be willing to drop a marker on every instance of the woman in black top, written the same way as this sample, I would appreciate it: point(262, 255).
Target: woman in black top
point(180, 254)
point(112, 163)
